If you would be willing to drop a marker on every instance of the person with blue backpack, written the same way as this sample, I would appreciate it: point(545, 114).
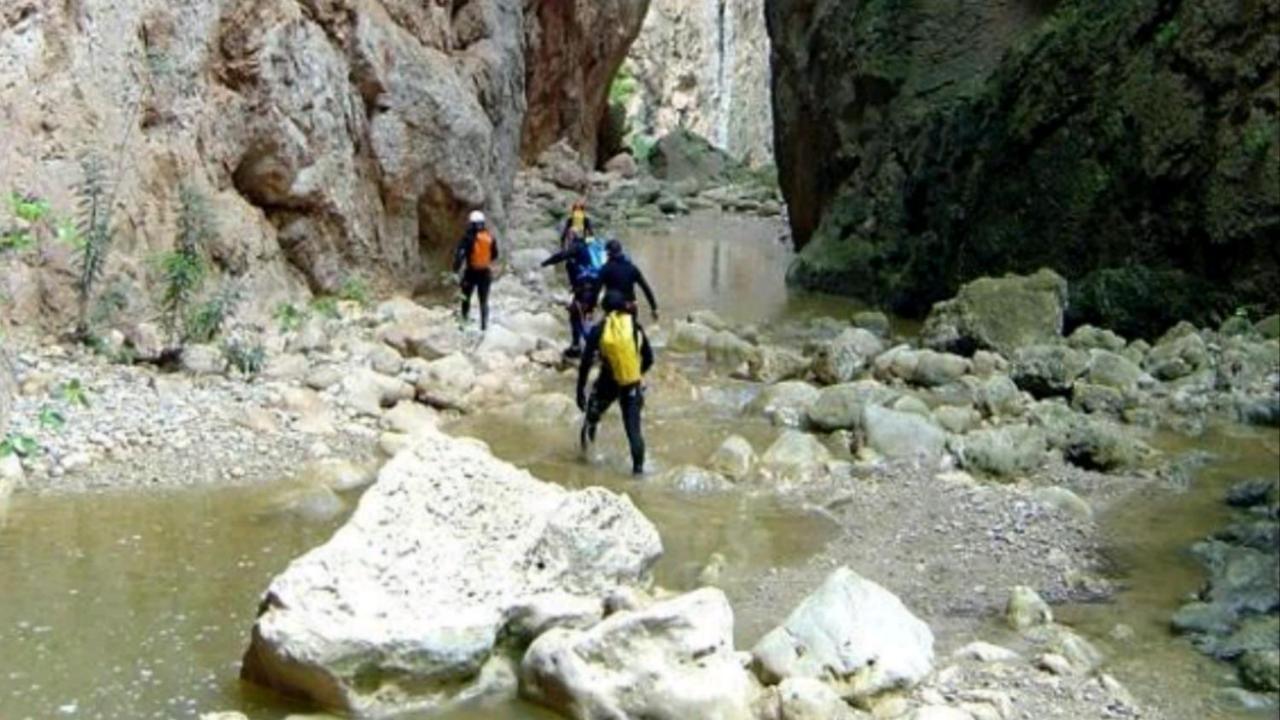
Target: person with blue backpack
point(584, 258)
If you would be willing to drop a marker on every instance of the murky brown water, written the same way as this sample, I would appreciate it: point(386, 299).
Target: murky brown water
point(139, 604)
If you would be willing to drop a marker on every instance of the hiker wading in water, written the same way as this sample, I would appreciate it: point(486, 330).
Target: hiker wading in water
point(625, 356)
point(474, 257)
point(621, 276)
point(584, 258)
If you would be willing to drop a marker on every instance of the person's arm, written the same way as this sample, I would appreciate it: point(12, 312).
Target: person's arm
point(646, 350)
point(461, 252)
point(592, 346)
point(558, 258)
point(648, 292)
point(496, 254)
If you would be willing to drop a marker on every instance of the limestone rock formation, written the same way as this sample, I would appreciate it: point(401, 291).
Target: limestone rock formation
point(703, 66)
point(674, 659)
point(574, 49)
point(332, 138)
point(1132, 147)
point(852, 634)
point(448, 553)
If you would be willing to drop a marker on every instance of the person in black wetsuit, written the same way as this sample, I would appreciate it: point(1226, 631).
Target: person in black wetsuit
point(583, 258)
point(621, 276)
point(607, 388)
point(474, 258)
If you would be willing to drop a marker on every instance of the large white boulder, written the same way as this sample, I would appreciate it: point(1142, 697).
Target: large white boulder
point(446, 553)
point(896, 434)
point(795, 457)
point(673, 660)
point(852, 634)
point(786, 403)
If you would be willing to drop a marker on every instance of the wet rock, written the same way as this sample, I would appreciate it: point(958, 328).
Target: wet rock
point(1088, 441)
point(550, 409)
point(795, 457)
point(934, 369)
point(735, 458)
point(1048, 370)
point(1260, 670)
point(839, 407)
point(203, 360)
point(1088, 337)
point(1111, 370)
point(1026, 609)
point(956, 419)
point(445, 382)
point(690, 338)
point(1240, 578)
point(769, 364)
point(873, 321)
point(1000, 314)
point(367, 391)
point(674, 659)
point(1177, 356)
point(312, 502)
point(709, 319)
point(499, 340)
point(998, 396)
point(896, 434)
point(694, 480)
point(912, 405)
point(842, 358)
point(409, 417)
point(1008, 452)
point(803, 698)
point(728, 350)
point(987, 653)
point(1258, 491)
point(786, 403)
point(338, 475)
point(853, 635)
point(417, 588)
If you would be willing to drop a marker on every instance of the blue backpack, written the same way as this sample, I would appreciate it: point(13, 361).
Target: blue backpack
point(592, 258)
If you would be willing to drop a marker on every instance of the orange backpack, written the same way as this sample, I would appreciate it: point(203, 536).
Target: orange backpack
point(481, 251)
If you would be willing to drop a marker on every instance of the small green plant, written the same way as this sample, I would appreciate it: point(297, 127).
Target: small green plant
point(247, 358)
point(326, 307)
point(32, 213)
point(23, 446)
point(184, 269)
point(206, 320)
point(93, 237)
point(290, 317)
point(51, 419)
point(623, 87)
point(73, 392)
point(354, 289)
point(28, 208)
point(1168, 34)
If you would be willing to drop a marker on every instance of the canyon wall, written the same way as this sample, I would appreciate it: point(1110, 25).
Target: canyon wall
point(704, 65)
point(333, 138)
point(1131, 146)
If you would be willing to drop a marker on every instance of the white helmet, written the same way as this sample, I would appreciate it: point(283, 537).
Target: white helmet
point(476, 218)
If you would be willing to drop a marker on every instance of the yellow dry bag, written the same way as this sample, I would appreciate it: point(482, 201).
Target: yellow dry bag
point(620, 345)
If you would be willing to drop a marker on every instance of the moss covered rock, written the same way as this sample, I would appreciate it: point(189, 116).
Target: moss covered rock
point(1132, 147)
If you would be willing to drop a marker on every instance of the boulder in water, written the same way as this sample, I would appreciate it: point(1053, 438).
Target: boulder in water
point(673, 659)
point(1026, 609)
point(896, 434)
point(839, 407)
point(786, 403)
point(1000, 314)
point(1005, 452)
point(770, 364)
point(795, 457)
point(734, 459)
point(402, 608)
point(840, 359)
point(853, 635)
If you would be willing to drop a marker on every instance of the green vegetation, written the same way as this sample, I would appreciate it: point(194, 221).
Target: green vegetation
point(355, 289)
point(290, 317)
point(183, 269)
point(623, 87)
point(23, 446)
point(246, 358)
point(31, 214)
point(326, 306)
point(205, 322)
point(51, 419)
point(93, 237)
point(72, 392)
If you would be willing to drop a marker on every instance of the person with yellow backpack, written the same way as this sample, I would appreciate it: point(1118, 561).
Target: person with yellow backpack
point(474, 257)
point(625, 356)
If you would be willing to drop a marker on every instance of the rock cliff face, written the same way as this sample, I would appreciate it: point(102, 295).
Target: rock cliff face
point(704, 66)
point(1133, 147)
point(333, 137)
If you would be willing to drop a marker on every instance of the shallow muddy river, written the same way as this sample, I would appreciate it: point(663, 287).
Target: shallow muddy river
point(139, 604)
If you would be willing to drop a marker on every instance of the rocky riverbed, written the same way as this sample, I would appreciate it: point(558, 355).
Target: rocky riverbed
point(947, 469)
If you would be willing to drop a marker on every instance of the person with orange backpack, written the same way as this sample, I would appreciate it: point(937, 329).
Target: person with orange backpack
point(625, 356)
point(474, 257)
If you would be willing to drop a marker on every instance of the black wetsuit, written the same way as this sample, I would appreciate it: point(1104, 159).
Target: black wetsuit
point(475, 280)
point(606, 390)
point(619, 275)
